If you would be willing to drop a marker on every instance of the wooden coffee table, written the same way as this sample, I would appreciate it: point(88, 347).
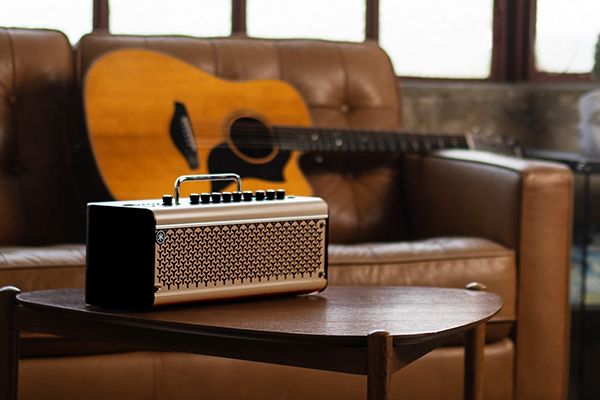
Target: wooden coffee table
point(372, 331)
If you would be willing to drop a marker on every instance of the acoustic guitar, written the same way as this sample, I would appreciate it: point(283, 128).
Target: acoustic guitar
point(151, 117)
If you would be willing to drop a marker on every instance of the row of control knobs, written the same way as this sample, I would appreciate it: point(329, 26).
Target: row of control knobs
point(228, 197)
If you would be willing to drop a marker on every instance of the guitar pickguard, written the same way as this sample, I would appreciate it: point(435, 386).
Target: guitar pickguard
point(183, 136)
point(222, 159)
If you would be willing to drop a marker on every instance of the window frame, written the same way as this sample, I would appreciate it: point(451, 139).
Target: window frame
point(513, 39)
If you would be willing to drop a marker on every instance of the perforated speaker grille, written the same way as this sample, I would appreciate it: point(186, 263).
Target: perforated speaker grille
point(209, 256)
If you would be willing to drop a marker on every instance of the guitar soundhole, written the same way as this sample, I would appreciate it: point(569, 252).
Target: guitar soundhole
point(252, 138)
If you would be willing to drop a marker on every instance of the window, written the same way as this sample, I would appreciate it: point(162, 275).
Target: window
point(566, 35)
point(432, 38)
point(502, 40)
point(73, 17)
point(330, 19)
point(185, 17)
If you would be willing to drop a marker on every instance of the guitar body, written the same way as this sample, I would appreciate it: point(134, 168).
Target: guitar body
point(135, 100)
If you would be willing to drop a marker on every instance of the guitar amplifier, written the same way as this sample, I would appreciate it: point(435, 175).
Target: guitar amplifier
point(209, 246)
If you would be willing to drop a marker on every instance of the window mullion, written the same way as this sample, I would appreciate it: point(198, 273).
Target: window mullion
point(372, 20)
point(100, 15)
point(238, 17)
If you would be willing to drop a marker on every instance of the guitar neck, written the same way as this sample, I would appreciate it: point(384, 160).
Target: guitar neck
point(341, 140)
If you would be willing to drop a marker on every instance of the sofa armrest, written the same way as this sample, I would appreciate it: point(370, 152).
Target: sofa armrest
point(525, 205)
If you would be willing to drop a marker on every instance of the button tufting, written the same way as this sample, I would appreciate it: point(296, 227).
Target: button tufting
point(12, 99)
point(475, 286)
point(345, 108)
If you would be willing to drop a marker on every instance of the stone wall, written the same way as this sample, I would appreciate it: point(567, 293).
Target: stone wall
point(540, 115)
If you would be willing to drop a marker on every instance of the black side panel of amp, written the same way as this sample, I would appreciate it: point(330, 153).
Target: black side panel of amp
point(120, 257)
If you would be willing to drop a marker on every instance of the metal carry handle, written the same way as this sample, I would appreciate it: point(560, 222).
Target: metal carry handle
point(208, 177)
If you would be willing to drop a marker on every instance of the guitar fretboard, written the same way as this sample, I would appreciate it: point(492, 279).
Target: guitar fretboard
point(341, 140)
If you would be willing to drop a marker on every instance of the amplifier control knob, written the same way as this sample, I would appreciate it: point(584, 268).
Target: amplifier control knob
point(270, 194)
point(216, 197)
point(194, 198)
point(205, 198)
point(167, 200)
point(280, 195)
point(226, 197)
point(237, 196)
point(247, 195)
point(259, 194)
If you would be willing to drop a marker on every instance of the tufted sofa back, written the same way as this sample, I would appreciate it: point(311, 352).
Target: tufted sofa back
point(345, 85)
point(36, 193)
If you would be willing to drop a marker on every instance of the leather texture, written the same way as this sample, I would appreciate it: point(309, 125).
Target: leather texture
point(174, 376)
point(525, 205)
point(36, 193)
point(444, 219)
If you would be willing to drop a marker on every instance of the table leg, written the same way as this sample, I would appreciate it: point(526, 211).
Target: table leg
point(9, 344)
point(379, 365)
point(475, 343)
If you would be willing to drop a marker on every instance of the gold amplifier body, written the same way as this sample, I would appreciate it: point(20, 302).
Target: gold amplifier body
point(146, 253)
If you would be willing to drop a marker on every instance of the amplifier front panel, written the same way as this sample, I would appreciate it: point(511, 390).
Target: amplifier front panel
point(238, 259)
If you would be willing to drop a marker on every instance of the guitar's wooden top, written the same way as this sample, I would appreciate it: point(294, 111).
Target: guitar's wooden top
point(129, 98)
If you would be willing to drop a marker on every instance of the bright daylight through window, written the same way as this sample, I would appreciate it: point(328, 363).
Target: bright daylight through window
point(331, 19)
point(566, 35)
point(73, 17)
point(441, 39)
point(182, 17)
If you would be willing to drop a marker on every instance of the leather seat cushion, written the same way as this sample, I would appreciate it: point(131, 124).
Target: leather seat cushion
point(43, 267)
point(183, 376)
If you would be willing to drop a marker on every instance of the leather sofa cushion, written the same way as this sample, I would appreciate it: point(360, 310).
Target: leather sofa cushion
point(174, 376)
point(100, 377)
point(438, 375)
point(43, 267)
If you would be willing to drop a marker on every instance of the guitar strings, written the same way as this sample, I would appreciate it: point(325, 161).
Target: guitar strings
point(253, 137)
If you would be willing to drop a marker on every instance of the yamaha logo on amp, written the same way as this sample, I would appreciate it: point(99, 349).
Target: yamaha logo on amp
point(210, 246)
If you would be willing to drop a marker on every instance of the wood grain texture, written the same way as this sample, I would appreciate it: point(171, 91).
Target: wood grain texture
point(474, 363)
point(347, 314)
point(379, 360)
point(129, 98)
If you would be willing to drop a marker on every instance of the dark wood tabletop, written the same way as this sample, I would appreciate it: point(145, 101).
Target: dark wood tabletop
point(346, 314)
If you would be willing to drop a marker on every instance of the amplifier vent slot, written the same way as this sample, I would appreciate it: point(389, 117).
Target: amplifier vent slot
point(224, 255)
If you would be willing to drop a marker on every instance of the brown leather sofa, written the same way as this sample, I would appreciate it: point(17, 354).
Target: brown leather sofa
point(444, 219)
